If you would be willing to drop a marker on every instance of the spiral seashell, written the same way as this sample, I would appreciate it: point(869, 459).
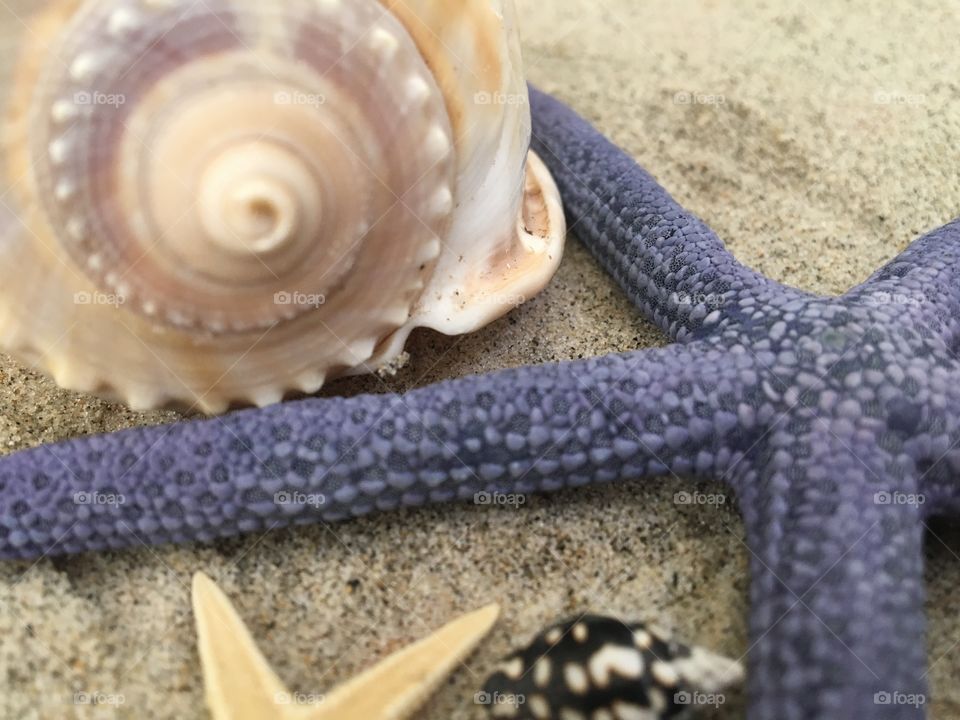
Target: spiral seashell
point(220, 203)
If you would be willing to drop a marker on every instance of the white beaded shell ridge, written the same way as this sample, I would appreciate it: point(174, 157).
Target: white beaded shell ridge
point(220, 203)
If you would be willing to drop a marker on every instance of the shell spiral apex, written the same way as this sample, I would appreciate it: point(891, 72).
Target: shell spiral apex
point(219, 203)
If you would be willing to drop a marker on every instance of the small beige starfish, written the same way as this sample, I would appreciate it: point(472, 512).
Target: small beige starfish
point(240, 685)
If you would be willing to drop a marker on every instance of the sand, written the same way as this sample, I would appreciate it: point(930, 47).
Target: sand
point(833, 146)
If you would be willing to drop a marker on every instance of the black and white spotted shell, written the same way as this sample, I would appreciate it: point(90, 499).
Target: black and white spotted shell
point(600, 668)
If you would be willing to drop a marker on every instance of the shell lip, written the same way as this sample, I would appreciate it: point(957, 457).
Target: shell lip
point(537, 242)
point(518, 270)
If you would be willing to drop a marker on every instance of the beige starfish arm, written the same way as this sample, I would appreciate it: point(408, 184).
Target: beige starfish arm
point(240, 685)
point(396, 687)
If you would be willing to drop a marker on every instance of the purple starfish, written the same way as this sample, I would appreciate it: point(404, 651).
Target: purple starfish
point(831, 418)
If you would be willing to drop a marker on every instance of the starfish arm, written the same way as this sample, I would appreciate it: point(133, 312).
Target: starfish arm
point(935, 447)
point(241, 685)
point(398, 686)
point(671, 265)
point(922, 284)
point(940, 484)
point(239, 682)
point(641, 414)
point(941, 489)
point(837, 619)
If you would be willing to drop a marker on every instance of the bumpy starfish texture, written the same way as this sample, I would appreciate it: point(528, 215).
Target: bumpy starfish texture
point(830, 418)
point(240, 685)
